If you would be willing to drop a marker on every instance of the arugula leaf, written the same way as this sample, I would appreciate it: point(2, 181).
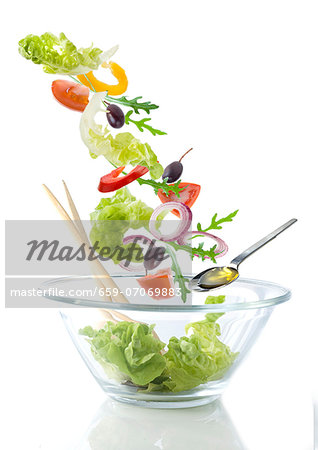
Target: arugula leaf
point(133, 103)
point(166, 188)
point(215, 224)
point(203, 254)
point(199, 251)
point(141, 124)
point(178, 278)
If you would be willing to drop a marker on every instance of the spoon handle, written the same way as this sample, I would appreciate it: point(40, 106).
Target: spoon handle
point(237, 261)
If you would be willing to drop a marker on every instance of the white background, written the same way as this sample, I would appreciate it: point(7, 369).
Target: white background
point(237, 80)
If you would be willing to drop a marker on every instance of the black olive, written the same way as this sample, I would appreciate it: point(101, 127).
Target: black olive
point(174, 170)
point(115, 116)
point(153, 257)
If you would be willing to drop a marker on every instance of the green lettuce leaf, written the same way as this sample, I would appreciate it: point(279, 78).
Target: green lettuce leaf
point(113, 217)
point(119, 150)
point(214, 299)
point(198, 358)
point(129, 351)
point(128, 348)
point(58, 54)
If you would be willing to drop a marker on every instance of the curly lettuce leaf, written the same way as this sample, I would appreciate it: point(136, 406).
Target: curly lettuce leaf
point(129, 351)
point(59, 55)
point(119, 150)
point(195, 359)
point(113, 217)
point(128, 347)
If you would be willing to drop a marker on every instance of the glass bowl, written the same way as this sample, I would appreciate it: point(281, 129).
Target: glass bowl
point(235, 325)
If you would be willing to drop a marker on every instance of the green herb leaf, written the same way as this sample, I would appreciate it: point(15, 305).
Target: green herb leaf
point(141, 124)
point(215, 224)
point(133, 103)
point(166, 188)
point(198, 252)
point(159, 184)
point(201, 253)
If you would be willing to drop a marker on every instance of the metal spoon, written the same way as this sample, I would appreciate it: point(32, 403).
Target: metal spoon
point(217, 277)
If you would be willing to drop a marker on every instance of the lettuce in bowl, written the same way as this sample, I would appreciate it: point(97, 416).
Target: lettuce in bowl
point(127, 350)
point(130, 352)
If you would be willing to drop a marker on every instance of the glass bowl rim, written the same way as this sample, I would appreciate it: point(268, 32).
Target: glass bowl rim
point(283, 295)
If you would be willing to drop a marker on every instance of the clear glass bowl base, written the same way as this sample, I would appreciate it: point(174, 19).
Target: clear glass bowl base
point(168, 404)
point(202, 395)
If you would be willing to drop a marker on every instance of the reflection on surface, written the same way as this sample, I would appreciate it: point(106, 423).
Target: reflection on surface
point(117, 426)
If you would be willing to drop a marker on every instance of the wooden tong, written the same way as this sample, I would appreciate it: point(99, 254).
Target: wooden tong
point(102, 277)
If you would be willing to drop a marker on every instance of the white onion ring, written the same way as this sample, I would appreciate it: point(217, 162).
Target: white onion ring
point(221, 247)
point(183, 225)
point(127, 240)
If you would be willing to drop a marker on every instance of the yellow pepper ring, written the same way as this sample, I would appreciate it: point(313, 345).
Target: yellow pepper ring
point(90, 80)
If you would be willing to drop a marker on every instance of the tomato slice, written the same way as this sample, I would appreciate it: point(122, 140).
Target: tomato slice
point(72, 95)
point(188, 195)
point(158, 285)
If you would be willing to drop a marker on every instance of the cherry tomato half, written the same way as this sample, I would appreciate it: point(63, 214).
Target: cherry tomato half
point(188, 195)
point(159, 285)
point(72, 95)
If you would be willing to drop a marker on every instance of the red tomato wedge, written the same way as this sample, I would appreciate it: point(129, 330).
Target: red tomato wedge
point(72, 95)
point(158, 286)
point(188, 195)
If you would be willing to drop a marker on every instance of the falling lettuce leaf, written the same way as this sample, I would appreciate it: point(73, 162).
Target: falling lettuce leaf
point(58, 54)
point(212, 300)
point(119, 150)
point(113, 217)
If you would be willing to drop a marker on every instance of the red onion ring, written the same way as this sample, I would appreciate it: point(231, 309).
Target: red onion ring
point(221, 247)
point(183, 225)
point(127, 240)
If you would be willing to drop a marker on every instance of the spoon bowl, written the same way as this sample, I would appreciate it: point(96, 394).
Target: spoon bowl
point(214, 278)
